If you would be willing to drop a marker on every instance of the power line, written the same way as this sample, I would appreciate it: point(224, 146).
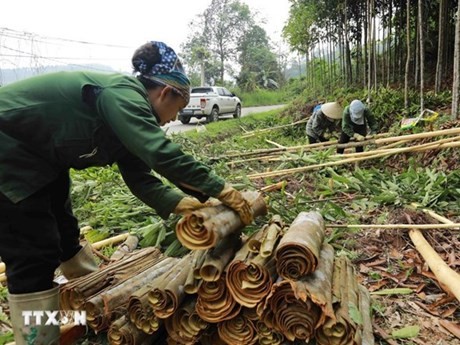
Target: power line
point(19, 35)
point(35, 56)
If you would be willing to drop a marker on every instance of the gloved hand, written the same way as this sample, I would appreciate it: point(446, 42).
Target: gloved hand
point(358, 137)
point(233, 199)
point(327, 136)
point(188, 204)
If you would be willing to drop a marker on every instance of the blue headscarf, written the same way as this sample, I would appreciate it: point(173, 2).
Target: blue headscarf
point(167, 70)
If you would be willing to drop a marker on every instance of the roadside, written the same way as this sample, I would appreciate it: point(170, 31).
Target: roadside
point(177, 126)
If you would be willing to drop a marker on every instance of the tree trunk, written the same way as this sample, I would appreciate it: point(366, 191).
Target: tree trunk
point(441, 45)
point(406, 74)
point(365, 62)
point(369, 45)
point(456, 82)
point(422, 53)
point(347, 47)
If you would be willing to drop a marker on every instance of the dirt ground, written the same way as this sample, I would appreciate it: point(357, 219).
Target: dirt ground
point(387, 259)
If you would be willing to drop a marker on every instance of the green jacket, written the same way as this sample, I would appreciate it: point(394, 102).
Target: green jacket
point(347, 124)
point(318, 123)
point(54, 122)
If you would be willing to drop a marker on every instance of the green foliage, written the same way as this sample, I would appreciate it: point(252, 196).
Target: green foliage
point(7, 337)
point(260, 97)
point(3, 293)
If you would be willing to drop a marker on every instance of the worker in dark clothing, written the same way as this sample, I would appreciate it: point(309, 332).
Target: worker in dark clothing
point(323, 122)
point(54, 122)
point(355, 120)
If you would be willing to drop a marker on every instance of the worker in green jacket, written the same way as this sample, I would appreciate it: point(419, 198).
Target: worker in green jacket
point(54, 122)
point(355, 120)
point(323, 122)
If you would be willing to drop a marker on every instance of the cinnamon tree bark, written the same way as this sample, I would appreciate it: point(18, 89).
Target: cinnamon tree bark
point(297, 308)
point(203, 228)
point(298, 252)
point(351, 310)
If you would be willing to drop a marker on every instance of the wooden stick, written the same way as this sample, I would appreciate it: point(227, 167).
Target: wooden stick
point(454, 226)
point(448, 278)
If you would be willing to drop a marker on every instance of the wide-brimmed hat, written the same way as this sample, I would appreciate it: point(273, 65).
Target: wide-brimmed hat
point(332, 110)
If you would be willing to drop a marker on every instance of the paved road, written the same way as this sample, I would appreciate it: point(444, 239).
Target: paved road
point(177, 126)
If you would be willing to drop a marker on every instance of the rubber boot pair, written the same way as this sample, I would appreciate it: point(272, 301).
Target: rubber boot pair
point(24, 308)
point(28, 314)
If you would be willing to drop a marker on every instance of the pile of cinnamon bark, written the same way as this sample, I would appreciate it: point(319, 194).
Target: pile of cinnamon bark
point(281, 285)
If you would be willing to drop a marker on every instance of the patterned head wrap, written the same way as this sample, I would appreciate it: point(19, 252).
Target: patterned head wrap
point(163, 67)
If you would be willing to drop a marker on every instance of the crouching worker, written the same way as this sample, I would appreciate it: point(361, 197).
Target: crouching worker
point(323, 121)
point(356, 118)
point(54, 122)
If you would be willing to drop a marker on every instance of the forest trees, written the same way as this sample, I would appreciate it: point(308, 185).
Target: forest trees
point(224, 38)
point(378, 43)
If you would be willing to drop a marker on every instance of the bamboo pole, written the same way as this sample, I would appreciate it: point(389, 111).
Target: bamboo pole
point(449, 279)
point(445, 275)
point(454, 226)
point(427, 146)
point(379, 139)
point(368, 154)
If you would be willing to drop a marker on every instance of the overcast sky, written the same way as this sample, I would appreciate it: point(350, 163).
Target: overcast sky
point(121, 26)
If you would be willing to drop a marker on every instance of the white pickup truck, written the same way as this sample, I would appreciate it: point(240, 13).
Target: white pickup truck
point(210, 102)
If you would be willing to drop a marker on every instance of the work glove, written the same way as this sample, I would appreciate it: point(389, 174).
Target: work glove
point(327, 136)
point(233, 199)
point(358, 137)
point(188, 204)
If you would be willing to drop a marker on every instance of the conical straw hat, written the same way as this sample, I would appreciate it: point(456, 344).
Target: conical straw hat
point(333, 110)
